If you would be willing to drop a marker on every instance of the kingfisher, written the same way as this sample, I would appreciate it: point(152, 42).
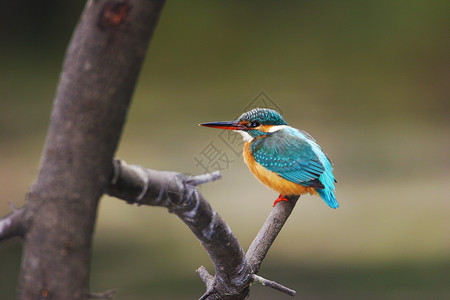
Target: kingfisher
point(285, 159)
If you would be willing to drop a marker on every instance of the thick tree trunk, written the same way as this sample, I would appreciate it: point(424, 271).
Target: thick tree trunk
point(99, 74)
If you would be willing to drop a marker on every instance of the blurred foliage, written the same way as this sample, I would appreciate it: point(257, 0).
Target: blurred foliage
point(368, 79)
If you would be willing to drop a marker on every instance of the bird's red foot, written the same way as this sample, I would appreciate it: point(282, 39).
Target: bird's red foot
point(280, 198)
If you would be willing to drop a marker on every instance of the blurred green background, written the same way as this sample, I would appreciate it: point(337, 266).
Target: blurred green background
point(368, 79)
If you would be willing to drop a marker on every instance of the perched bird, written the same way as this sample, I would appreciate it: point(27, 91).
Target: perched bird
point(285, 159)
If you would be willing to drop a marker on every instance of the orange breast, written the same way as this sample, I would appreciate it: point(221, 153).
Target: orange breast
point(272, 179)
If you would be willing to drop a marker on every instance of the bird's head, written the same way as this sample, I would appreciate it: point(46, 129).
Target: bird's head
point(252, 124)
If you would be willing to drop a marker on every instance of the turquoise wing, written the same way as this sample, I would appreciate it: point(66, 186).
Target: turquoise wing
point(289, 156)
point(296, 157)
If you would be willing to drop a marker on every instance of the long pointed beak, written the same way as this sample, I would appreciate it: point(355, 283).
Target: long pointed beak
point(229, 125)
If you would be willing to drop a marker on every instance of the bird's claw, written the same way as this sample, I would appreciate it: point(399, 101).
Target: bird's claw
point(279, 199)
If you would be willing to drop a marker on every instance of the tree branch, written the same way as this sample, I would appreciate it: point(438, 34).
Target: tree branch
point(208, 280)
point(14, 224)
point(178, 194)
point(273, 284)
point(269, 232)
point(234, 271)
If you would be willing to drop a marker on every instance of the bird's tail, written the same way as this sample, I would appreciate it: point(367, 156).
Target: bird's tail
point(328, 196)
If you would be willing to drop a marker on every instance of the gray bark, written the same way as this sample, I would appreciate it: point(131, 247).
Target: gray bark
point(99, 74)
point(234, 271)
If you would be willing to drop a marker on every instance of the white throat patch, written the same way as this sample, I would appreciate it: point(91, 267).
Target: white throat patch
point(247, 137)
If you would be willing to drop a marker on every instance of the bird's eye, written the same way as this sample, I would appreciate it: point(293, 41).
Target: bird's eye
point(255, 124)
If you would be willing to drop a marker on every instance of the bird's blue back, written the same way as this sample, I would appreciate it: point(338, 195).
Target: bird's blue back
point(295, 156)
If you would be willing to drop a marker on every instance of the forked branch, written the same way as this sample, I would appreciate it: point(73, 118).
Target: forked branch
point(234, 271)
point(178, 194)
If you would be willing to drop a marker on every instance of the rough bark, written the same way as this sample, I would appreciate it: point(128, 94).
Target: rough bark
point(234, 271)
point(95, 87)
